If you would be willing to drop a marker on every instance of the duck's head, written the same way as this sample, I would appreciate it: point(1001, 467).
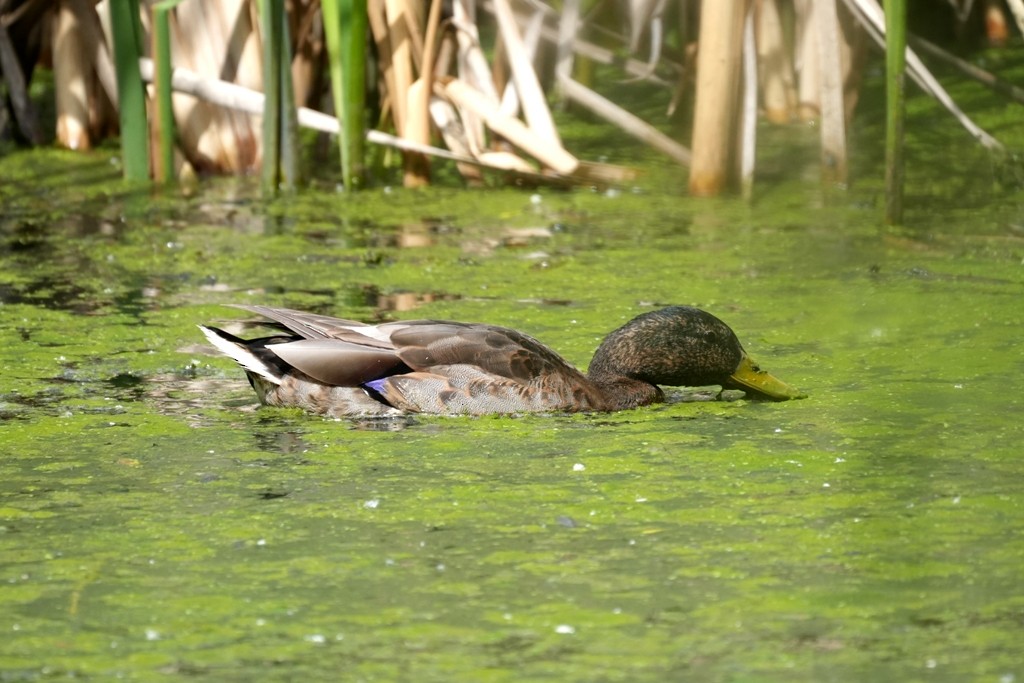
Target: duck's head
point(684, 346)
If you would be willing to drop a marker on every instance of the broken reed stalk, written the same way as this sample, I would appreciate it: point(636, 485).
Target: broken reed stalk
point(239, 98)
point(70, 76)
point(808, 59)
point(271, 33)
point(775, 63)
point(289, 117)
point(602, 55)
point(872, 18)
point(531, 96)
point(986, 78)
point(531, 41)
point(345, 28)
point(833, 123)
point(1017, 9)
point(629, 123)
point(895, 62)
point(512, 129)
point(417, 129)
point(748, 109)
point(163, 119)
point(280, 158)
point(218, 39)
point(127, 32)
point(568, 26)
point(401, 60)
point(718, 68)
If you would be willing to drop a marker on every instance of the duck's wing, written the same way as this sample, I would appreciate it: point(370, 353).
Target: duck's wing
point(314, 326)
point(423, 345)
point(478, 369)
point(332, 350)
point(432, 366)
point(427, 345)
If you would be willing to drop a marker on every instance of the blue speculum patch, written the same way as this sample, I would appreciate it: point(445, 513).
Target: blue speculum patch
point(376, 385)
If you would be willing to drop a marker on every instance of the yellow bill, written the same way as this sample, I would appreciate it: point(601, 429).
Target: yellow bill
point(749, 377)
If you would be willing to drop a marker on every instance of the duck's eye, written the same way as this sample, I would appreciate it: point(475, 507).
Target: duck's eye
point(710, 336)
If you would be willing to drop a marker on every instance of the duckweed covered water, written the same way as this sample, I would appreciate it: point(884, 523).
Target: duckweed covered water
point(155, 525)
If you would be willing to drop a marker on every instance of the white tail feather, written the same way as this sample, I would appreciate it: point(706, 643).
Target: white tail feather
point(240, 354)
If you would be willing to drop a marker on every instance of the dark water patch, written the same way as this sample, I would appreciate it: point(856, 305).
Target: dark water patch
point(49, 292)
point(128, 384)
point(25, 237)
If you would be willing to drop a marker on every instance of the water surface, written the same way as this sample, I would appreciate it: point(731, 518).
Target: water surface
point(156, 525)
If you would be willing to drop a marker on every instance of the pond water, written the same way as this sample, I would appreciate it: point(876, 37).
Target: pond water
point(155, 524)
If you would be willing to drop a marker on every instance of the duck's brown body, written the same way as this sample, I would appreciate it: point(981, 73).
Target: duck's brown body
point(339, 367)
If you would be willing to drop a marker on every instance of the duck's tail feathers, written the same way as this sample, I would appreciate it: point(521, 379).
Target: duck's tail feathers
point(233, 347)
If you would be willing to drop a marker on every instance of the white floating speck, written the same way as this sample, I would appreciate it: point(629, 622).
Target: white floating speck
point(956, 500)
point(261, 542)
point(826, 485)
point(641, 499)
point(778, 430)
point(565, 628)
point(930, 663)
point(152, 634)
point(958, 386)
point(840, 459)
point(317, 638)
point(371, 504)
point(578, 467)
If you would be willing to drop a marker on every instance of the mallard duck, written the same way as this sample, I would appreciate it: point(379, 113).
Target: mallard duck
point(339, 367)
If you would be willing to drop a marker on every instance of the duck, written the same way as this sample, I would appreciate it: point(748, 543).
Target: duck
point(341, 368)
